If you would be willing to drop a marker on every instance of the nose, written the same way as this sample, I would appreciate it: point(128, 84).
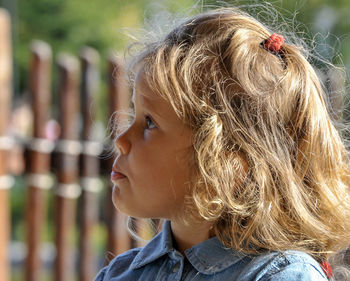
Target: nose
point(123, 143)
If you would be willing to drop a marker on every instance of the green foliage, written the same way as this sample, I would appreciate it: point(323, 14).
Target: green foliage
point(69, 25)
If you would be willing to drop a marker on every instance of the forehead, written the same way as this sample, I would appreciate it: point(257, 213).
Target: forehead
point(143, 94)
point(141, 87)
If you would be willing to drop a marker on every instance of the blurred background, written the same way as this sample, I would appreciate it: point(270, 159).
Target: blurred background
point(68, 25)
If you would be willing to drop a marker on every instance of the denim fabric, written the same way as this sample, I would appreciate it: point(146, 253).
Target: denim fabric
point(209, 260)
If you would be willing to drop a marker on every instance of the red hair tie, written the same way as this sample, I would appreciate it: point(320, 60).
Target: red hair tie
point(327, 269)
point(274, 43)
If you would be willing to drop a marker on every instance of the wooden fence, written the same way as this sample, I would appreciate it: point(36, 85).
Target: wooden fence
point(74, 158)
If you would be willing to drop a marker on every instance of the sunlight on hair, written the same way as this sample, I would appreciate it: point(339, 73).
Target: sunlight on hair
point(271, 168)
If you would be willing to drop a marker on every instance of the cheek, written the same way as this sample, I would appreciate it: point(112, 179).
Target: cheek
point(150, 157)
point(178, 174)
point(162, 171)
point(159, 163)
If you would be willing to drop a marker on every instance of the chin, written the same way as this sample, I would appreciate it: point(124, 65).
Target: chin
point(121, 205)
point(118, 204)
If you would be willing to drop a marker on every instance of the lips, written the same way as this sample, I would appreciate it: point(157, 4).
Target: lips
point(116, 175)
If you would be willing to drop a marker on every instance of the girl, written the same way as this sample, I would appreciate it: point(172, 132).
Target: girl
point(232, 145)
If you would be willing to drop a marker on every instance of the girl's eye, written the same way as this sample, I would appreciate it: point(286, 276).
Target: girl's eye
point(149, 123)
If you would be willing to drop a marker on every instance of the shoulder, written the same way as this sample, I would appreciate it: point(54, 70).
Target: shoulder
point(117, 265)
point(284, 266)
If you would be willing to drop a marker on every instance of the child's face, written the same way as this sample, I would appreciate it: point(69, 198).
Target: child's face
point(154, 157)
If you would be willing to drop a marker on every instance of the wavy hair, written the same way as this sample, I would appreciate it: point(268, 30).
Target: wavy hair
point(271, 169)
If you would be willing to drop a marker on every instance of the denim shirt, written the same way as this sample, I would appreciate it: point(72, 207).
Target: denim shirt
point(209, 260)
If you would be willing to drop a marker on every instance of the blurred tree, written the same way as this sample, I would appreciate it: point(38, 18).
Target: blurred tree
point(68, 25)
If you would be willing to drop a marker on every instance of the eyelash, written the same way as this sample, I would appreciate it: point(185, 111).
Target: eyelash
point(147, 119)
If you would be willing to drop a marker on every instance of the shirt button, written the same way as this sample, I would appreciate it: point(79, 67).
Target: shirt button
point(176, 267)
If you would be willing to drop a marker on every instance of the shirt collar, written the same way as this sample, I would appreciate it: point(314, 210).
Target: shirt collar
point(208, 257)
point(160, 245)
point(211, 256)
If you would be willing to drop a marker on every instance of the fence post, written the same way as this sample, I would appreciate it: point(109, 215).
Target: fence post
point(5, 107)
point(90, 183)
point(68, 148)
point(40, 149)
point(119, 239)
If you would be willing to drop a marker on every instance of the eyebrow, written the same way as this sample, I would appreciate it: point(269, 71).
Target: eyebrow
point(148, 103)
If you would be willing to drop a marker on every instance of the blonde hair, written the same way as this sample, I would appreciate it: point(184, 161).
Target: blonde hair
point(271, 170)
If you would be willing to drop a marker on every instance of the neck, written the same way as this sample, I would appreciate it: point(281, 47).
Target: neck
point(188, 235)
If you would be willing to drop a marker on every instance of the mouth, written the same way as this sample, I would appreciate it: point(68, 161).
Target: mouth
point(116, 175)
